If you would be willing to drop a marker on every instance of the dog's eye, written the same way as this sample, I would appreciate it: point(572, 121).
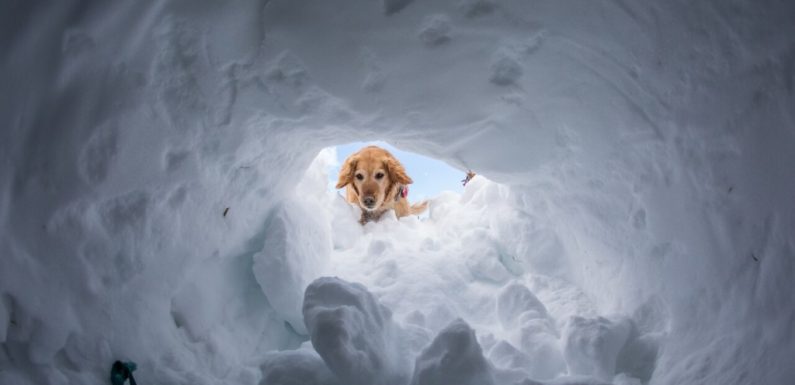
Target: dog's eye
point(379, 175)
point(359, 176)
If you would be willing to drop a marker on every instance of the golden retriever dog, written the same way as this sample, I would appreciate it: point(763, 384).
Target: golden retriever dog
point(377, 182)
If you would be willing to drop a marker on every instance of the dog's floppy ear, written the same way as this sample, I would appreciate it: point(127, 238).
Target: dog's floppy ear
point(346, 171)
point(396, 171)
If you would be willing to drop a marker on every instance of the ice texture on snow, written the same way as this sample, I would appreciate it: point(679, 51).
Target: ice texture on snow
point(637, 161)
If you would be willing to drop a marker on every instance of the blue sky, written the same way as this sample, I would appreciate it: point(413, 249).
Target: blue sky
point(430, 176)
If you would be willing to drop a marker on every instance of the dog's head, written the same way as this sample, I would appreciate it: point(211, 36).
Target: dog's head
point(374, 175)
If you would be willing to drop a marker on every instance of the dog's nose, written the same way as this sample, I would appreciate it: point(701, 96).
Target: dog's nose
point(369, 201)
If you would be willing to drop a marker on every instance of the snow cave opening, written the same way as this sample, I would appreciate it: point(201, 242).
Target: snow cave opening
point(498, 260)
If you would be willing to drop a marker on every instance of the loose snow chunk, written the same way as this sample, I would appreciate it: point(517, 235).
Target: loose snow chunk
point(505, 356)
point(592, 345)
point(515, 300)
point(454, 357)
point(301, 366)
point(296, 249)
point(519, 309)
point(539, 341)
point(354, 334)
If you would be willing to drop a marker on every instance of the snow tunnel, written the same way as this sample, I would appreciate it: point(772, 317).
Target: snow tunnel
point(164, 192)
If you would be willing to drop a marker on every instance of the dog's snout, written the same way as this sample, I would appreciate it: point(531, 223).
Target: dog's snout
point(369, 201)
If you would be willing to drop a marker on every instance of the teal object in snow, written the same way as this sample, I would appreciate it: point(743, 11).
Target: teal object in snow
point(121, 371)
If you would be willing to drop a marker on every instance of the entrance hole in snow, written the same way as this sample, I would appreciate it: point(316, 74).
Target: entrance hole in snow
point(480, 258)
point(431, 177)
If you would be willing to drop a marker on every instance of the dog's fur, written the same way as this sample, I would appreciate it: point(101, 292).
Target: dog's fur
point(372, 178)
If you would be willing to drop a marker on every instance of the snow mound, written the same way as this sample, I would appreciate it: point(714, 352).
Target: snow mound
point(592, 345)
point(295, 253)
point(296, 367)
point(354, 333)
point(516, 301)
point(454, 357)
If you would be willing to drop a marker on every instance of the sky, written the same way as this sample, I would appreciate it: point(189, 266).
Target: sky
point(430, 176)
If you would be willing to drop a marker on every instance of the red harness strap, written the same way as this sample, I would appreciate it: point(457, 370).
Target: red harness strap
point(403, 191)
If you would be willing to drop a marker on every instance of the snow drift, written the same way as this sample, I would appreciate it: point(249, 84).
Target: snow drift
point(639, 187)
point(354, 333)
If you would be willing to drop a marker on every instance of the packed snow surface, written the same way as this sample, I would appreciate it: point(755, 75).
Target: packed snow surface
point(163, 192)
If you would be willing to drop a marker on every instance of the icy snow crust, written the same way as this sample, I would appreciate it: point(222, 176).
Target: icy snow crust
point(635, 224)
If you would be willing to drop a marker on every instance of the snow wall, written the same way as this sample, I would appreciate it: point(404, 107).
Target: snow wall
point(656, 140)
